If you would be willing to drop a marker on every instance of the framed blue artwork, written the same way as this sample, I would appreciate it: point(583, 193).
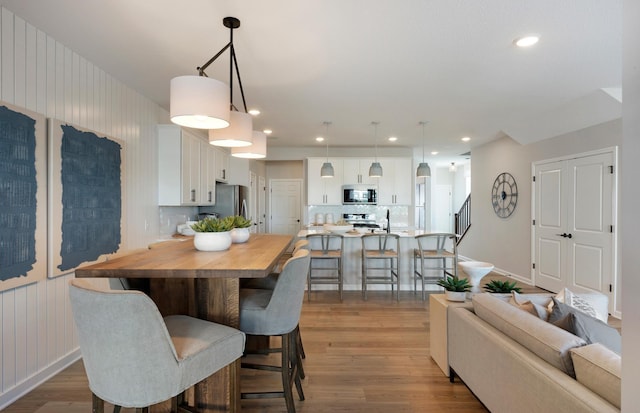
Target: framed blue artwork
point(23, 196)
point(85, 197)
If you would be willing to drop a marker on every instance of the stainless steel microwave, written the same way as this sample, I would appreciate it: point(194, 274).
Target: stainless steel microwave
point(359, 194)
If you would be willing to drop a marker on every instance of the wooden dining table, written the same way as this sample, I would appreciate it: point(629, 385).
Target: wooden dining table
point(183, 280)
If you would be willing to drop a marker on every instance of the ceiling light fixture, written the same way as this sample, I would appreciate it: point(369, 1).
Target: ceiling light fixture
point(267, 131)
point(205, 103)
point(392, 139)
point(327, 169)
point(254, 112)
point(526, 41)
point(452, 167)
point(466, 139)
point(257, 149)
point(375, 170)
point(434, 152)
point(423, 170)
point(319, 139)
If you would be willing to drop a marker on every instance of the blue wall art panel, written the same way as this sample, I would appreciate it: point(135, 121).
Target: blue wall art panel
point(22, 196)
point(87, 194)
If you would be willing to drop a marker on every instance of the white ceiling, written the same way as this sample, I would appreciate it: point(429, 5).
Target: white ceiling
point(351, 62)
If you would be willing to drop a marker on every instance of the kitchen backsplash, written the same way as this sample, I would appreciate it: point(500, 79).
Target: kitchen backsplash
point(398, 215)
point(171, 216)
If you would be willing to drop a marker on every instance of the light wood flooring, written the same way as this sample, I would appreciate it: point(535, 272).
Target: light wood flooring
point(362, 356)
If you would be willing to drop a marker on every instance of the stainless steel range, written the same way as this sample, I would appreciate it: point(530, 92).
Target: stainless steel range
point(361, 220)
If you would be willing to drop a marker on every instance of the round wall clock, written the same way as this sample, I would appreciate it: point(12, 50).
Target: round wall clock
point(504, 195)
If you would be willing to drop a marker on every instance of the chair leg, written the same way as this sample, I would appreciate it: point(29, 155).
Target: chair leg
point(340, 279)
point(97, 404)
point(116, 409)
point(295, 363)
point(286, 374)
point(299, 351)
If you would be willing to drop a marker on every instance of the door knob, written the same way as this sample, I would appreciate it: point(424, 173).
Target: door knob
point(569, 236)
point(565, 235)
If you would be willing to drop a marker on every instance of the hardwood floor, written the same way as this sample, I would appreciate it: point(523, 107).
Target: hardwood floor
point(362, 356)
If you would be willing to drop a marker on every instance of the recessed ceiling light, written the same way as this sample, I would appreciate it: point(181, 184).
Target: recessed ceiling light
point(268, 131)
point(254, 112)
point(526, 41)
point(466, 139)
point(319, 139)
point(392, 139)
point(434, 152)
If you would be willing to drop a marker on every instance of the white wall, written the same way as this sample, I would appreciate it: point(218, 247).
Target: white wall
point(630, 205)
point(507, 242)
point(37, 335)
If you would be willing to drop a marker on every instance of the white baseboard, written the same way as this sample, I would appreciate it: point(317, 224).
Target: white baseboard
point(37, 379)
point(524, 280)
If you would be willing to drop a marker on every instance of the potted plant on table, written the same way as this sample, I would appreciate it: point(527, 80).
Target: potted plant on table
point(502, 287)
point(455, 288)
point(213, 234)
point(240, 232)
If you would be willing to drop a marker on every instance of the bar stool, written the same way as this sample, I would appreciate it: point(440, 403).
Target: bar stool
point(277, 313)
point(441, 248)
point(381, 249)
point(135, 358)
point(325, 248)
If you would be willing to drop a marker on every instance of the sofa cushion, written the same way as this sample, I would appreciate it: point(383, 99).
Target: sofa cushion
point(594, 304)
point(599, 369)
point(527, 304)
point(590, 329)
point(547, 341)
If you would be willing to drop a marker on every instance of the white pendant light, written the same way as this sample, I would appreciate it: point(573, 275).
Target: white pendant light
point(327, 169)
point(199, 102)
point(257, 150)
point(204, 103)
point(239, 132)
point(375, 170)
point(423, 168)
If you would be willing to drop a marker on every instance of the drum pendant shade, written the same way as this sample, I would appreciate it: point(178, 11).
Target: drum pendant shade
point(239, 132)
point(257, 150)
point(199, 102)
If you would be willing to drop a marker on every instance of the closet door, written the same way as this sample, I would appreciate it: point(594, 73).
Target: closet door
point(574, 218)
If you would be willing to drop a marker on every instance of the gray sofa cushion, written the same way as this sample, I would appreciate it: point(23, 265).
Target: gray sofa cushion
point(590, 329)
point(547, 341)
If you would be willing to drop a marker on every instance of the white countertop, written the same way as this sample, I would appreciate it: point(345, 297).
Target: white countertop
point(352, 234)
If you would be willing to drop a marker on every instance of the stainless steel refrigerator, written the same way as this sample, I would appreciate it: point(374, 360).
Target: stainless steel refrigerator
point(230, 200)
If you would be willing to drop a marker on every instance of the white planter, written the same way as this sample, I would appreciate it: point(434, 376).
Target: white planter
point(212, 241)
point(455, 295)
point(240, 235)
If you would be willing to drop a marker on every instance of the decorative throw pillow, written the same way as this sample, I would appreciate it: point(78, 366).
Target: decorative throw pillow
point(588, 328)
point(593, 304)
point(522, 303)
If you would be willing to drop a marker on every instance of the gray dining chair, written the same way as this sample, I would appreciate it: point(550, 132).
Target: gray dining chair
point(134, 358)
point(276, 312)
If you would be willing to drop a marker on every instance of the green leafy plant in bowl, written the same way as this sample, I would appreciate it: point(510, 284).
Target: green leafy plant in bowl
point(214, 224)
point(241, 222)
point(499, 286)
point(453, 283)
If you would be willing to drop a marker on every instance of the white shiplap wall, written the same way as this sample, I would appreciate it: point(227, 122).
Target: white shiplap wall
point(40, 74)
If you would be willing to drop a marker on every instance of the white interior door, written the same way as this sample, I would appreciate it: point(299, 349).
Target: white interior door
point(285, 206)
point(262, 207)
point(442, 209)
point(574, 218)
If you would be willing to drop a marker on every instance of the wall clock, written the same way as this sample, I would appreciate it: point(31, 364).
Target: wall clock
point(504, 195)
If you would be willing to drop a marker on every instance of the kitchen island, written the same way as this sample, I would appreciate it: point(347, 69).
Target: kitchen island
point(352, 262)
point(200, 284)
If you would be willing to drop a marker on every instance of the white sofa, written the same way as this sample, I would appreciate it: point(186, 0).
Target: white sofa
point(514, 361)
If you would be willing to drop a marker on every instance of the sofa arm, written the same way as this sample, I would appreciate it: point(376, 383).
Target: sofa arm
point(599, 369)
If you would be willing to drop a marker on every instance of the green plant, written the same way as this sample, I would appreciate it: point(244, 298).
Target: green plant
point(498, 286)
point(214, 224)
point(241, 222)
point(453, 283)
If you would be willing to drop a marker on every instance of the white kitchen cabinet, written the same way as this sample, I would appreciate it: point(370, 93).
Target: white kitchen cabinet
point(178, 166)
point(207, 174)
point(222, 165)
point(324, 191)
point(395, 185)
point(356, 171)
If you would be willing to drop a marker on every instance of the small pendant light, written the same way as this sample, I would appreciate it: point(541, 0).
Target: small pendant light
point(423, 169)
point(327, 169)
point(375, 170)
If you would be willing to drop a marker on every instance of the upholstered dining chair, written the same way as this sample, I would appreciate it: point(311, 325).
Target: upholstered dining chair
point(439, 249)
point(276, 312)
point(134, 358)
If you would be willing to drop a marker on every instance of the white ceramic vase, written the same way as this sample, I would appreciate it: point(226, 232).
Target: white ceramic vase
point(212, 241)
point(240, 235)
point(455, 295)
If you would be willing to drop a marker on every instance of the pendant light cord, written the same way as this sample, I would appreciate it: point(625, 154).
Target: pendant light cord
point(326, 124)
point(375, 137)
